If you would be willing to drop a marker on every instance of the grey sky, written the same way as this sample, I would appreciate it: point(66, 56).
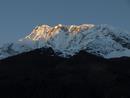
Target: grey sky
point(19, 17)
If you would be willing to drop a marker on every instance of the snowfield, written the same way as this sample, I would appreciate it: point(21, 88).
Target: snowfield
point(100, 40)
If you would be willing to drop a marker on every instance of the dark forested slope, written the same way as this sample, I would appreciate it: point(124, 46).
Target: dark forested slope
point(42, 74)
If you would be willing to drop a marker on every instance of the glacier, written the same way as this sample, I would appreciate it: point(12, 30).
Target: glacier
point(67, 40)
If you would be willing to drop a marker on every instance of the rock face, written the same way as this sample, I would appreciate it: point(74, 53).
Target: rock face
point(43, 74)
point(67, 40)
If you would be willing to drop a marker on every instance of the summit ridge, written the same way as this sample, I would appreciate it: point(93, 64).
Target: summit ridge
point(67, 40)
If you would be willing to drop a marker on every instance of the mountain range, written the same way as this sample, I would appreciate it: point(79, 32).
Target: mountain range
point(67, 40)
point(67, 61)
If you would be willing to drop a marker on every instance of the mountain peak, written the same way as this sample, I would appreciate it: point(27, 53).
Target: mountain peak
point(67, 40)
point(46, 31)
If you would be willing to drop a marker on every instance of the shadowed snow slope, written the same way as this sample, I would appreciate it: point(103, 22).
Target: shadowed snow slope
point(67, 40)
point(67, 62)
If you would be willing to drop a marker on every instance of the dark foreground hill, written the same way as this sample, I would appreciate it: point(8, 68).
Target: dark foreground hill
point(42, 74)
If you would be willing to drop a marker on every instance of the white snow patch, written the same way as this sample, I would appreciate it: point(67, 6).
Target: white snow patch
point(101, 40)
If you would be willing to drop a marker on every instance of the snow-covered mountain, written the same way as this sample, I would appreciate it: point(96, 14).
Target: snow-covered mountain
point(67, 40)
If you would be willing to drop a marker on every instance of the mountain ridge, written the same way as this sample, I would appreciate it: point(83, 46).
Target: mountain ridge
point(42, 73)
point(101, 40)
point(93, 63)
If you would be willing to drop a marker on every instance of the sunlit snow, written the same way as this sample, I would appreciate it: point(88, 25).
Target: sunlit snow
point(101, 40)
